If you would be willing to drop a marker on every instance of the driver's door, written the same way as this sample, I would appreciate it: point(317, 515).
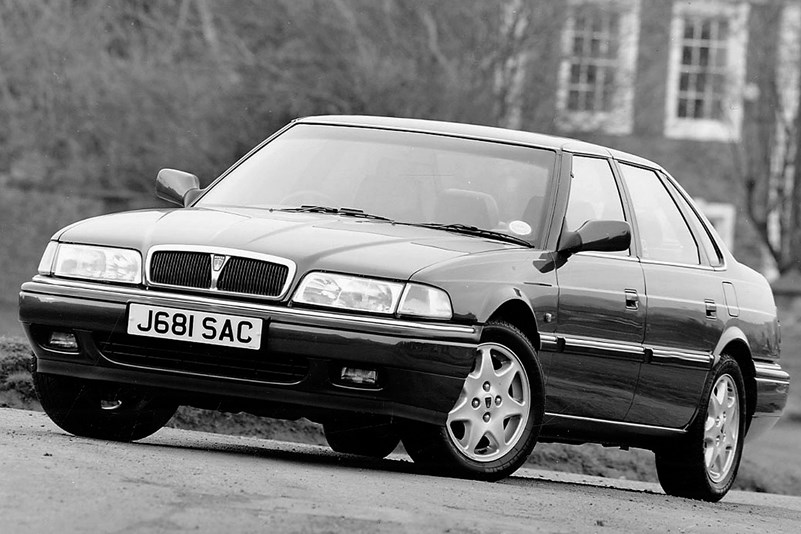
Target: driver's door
point(601, 310)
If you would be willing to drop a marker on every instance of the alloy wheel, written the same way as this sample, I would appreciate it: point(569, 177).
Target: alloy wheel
point(722, 428)
point(491, 413)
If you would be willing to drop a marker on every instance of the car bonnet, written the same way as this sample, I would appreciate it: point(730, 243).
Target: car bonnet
point(313, 241)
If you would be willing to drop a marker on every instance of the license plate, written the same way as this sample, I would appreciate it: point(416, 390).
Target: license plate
point(202, 327)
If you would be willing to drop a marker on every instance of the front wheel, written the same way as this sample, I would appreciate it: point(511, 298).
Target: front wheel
point(705, 464)
point(102, 410)
point(495, 422)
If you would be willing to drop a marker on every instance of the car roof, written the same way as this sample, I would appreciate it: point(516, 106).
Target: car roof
point(478, 132)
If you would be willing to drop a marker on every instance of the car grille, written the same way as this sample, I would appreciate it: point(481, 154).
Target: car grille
point(238, 275)
point(245, 275)
point(202, 359)
point(185, 269)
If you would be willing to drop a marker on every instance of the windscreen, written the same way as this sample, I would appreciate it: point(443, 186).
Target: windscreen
point(408, 177)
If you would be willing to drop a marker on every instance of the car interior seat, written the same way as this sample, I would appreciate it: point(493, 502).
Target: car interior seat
point(467, 207)
point(390, 193)
point(533, 213)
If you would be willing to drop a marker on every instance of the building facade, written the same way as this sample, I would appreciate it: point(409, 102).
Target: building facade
point(698, 86)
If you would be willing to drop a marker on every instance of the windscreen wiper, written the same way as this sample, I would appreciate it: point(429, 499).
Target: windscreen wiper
point(353, 212)
point(348, 212)
point(475, 230)
point(310, 208)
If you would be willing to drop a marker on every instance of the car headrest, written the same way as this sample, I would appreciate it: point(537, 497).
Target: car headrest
point(389, 193)
point(467, 207)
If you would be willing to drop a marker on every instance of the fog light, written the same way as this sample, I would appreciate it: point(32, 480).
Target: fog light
point(63, 341)
point(359, 377)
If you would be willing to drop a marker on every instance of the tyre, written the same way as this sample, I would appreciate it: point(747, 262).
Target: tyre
point(102, 410)
point(365, 435)
point(704, 465)
point(494, 424)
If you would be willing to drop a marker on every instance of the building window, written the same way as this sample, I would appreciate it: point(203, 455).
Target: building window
point(702, 73)
point(593, 59)
point(707, 69)
point(599, 45)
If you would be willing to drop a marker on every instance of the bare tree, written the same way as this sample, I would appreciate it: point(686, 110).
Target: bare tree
point(767, 158)
point(99, 95)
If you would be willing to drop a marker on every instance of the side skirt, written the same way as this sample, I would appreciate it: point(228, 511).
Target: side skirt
point(577, 430)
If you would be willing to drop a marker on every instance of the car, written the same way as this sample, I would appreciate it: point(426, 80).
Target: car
point(464, 289)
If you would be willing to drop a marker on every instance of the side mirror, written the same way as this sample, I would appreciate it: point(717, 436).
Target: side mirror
point(177, 187)
point(601, 236)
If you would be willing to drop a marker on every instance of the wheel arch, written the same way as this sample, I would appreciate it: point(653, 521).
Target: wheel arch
point(734, 343)
point(518, 312)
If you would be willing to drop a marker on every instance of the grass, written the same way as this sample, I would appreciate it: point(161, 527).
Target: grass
point(770, 464)
point(16, 386)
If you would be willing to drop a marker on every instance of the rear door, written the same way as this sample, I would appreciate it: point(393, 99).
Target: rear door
point(684, 300)
point(601, 314)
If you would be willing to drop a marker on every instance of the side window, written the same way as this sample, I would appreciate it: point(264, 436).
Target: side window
point(701, 230)
point(664, 234)
point(712, 251)
point(593, 193)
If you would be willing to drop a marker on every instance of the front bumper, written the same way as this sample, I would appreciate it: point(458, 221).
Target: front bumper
point(421, 366)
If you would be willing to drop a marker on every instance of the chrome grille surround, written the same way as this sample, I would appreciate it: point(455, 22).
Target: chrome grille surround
point(273, 272)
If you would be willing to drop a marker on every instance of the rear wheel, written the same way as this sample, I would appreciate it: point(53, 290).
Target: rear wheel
point(494, 424)
point(365, 435)
point(102, 410)
point(705, 464)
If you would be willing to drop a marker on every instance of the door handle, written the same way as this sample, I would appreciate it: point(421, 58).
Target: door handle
point(632, 300)
point(711, 309)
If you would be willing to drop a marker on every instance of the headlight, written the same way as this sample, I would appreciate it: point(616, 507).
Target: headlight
point(425, 301)
point(46, 263)
point(92, 263)
point(370, 295)
point(349, 293)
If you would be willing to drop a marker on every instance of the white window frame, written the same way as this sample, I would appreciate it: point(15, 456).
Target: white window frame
point(727, 128)
point(620, 118)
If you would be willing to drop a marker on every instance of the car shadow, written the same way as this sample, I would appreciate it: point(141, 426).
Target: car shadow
point(397, 462)
point(306, 454)
point(300, 453)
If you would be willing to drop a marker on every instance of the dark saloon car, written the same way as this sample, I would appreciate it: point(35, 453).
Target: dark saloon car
point(467, 290)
